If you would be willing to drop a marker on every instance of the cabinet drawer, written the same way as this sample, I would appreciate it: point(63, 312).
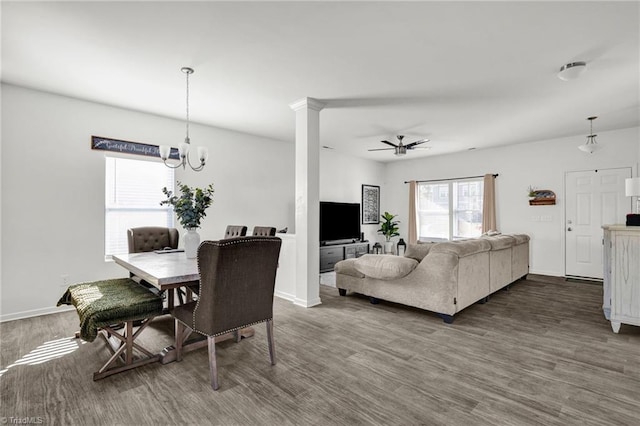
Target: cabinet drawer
point(328, 264)
point(331, 252)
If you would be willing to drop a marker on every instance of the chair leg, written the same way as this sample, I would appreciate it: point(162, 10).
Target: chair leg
point(272, 348)
point(213, 367)
point(179, 331)
point(237, 335)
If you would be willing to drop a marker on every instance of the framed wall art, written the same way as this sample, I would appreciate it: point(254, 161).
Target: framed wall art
point(370, 204)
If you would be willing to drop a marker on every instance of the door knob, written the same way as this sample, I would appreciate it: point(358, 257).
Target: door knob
point(569, 229)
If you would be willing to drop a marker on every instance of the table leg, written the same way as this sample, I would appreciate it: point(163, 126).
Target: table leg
point(170, 298)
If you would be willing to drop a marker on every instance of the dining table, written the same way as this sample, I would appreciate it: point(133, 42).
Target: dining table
point(170, 271)
point(167, 270)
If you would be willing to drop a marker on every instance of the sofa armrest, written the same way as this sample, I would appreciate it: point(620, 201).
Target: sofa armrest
point(347, 267)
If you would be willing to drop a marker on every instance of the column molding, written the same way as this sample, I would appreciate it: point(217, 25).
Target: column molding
point(310, 103)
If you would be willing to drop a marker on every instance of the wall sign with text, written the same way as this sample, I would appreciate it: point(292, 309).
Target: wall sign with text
point(127, 147)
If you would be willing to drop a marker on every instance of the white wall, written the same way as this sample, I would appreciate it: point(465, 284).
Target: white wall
point(341, 180)
point(540, 164)
point(52, 198)
point(53, 189)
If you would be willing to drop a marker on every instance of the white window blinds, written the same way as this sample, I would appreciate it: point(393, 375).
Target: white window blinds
point(133, 191)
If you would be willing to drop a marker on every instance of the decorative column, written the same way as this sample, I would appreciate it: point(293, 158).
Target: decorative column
point(307, 201)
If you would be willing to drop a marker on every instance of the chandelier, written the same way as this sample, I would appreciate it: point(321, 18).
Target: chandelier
point(591, 145)
point(183, 149)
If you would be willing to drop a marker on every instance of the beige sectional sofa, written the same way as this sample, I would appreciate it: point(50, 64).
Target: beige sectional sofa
point(440, 277)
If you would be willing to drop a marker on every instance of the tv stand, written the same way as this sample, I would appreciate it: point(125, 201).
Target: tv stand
point(338, 242)
point(334, 253)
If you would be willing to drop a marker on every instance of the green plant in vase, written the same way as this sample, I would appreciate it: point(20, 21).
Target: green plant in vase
point(190, 207)
point(389, 228)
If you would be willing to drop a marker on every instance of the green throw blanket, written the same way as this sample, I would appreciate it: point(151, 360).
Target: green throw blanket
point(103, 303)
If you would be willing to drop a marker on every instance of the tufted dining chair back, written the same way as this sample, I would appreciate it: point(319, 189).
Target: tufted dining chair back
point(264, 231)
point(150, 238)
point(235, 231)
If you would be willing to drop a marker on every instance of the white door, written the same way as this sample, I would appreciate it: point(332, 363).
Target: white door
point(594, 198)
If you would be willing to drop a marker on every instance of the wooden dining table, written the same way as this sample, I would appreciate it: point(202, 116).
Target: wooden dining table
point(169, 271)
point(166, 270)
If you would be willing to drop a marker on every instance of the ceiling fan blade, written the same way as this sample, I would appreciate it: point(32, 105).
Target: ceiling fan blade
point(420, 147)
point(382, 149)
point(390, 143)
point(412, 144)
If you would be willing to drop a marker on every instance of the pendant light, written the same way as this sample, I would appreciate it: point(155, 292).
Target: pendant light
point(183, 149)
point(591, 145)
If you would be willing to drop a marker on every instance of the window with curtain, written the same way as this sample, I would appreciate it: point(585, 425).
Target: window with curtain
point(133, 191)
point(450, 210)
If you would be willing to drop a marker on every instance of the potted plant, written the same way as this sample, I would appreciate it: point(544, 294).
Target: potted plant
point(389, 229)
point(190, 208)
point(532, 192)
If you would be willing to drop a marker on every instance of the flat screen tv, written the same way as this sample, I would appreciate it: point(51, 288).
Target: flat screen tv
point(339, 222)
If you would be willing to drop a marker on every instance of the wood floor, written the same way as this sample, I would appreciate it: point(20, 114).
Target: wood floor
point(539, 354)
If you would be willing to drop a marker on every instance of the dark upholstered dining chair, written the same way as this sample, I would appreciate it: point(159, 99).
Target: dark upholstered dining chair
point(264, 231)
point(237, 280)
point(150, 238)
point(235, 231)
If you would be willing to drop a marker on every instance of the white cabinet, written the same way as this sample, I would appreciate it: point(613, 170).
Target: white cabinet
point(621, 303)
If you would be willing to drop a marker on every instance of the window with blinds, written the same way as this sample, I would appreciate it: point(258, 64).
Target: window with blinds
point(133, 191)
point(450, 210)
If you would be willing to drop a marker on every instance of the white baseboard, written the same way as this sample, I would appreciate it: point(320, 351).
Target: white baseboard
point(307, 303)
point(55, 310)
point(35, 313)
point(547, 273)
point(285, 296)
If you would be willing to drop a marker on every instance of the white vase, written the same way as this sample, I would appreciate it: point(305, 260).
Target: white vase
point(388, 247)
point(191, 243)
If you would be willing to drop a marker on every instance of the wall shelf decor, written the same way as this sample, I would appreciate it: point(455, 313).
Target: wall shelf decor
point(543, 197)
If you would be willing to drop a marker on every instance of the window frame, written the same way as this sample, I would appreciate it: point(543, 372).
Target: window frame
point(453, 186)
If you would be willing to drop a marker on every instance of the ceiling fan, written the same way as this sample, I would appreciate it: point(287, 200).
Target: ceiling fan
point(400, 148)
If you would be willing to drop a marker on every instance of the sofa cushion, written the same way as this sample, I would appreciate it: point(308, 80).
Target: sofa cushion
point(418, 251)
point(384, 266)
point(462, 248)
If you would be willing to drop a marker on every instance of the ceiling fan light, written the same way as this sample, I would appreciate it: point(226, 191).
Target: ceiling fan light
point(572, 70)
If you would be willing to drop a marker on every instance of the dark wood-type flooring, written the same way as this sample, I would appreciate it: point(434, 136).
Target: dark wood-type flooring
point(539, 354)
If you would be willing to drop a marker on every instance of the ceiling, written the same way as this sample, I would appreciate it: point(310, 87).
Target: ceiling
point(463, 74)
